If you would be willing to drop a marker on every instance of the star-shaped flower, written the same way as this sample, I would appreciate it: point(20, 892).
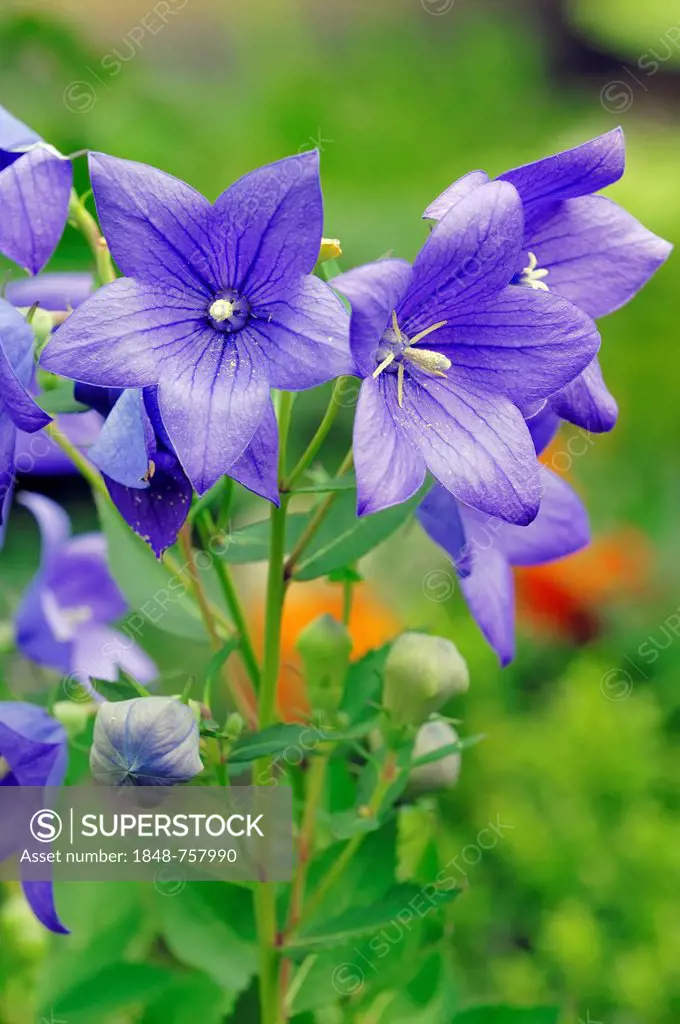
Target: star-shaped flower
point(219, 304)
point(450, 352)
point(63, 621)
point(34, 748)
point(578, 244)
point(35, 187)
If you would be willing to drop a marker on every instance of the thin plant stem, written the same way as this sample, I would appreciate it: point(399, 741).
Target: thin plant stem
point(207, 614)
point(385, 780)
point(207, 531)
point(83, 221)
point(315, 522)
point(315, 787)
point(265, 893)
point(319, 437)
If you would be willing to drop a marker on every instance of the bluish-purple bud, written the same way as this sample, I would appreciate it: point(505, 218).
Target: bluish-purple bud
point(148, 741)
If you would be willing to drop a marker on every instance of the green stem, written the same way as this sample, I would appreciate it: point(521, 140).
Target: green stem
point(385, 781)
point(207, 531)
point(85, 468)
point(315, 522)
point(265, 893)
point(319, 437)
point(83, 221)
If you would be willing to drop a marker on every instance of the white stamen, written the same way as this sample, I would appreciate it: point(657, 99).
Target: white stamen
point(532, 275)
point(431, 362)
point(221, 310)
point(4, 768)
point(400, 385)
point(383, 366)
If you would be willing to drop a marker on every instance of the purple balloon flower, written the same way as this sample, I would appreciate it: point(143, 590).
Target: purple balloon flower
point(33, 747)
point(484, 550)
point(63, 621)
point(578, 244)
point(218, 306)
point(35, 187)
point(18, 411)
point(450, 353)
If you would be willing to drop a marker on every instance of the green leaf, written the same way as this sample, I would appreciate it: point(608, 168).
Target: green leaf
point(363, 689)
point(343, 538)
point(357, 922)
point(450, 748)
point(113, 988)
point(60, 399)
point(508, 1015)
point(210, 927)
point(251, 543)
point(191, 997)
point(149, 588)
point(344, 483)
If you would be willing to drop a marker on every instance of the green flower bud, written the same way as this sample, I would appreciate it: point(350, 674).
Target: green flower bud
point(324, 646)
point(74, 715)
point(442, 774)
point(422, 672)
point(234, 726)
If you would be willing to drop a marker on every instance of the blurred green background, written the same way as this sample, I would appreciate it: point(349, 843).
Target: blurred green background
point(579, 904)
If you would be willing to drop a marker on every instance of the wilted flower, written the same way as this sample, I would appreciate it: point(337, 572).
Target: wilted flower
point(63, 621)
point(219, 305)
point(484, 550)
point(148, 741)
point(33, 752)
point(450, 353)
point(35, 187)
point(578, 244)
point(442, 774)
point(422, 672)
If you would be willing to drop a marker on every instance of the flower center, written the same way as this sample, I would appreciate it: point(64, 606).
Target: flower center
point(532, 275)
point(229, 311)
point(395, 349)
point(64, 622)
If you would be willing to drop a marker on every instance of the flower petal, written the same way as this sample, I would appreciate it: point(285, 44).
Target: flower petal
point(373, 290)
point(389, 469)
point(213, 404)
point(157, 512)
point(50, 291)
point(470, 254)
point(100, 652)
point(14, 134)
point(34, 196)
point(304, 338)
point(520, 343)
point(543, 427)
point(490, 594)
point(157, 227)
point(269, 224)
point(596, 254)
point(257, 468)
point(16, 371)
point(560, 528)
point(53, 522)
point(124, 335)
point(476, 444)
point(587, 401)
point(122, 448)
point(40, 897)
point(440, 206)
point(439, 515)
point(575, 172)
point(8, 434)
